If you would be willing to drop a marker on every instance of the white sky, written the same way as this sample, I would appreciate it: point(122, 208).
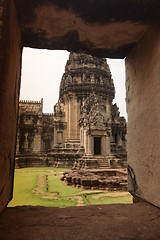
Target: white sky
point(42, 71)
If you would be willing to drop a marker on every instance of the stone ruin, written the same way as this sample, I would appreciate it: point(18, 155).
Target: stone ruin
point(115, 29)
point(104, 179)
point(85, 130)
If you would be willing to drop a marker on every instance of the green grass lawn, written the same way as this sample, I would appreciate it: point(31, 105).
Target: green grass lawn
point(30, 188)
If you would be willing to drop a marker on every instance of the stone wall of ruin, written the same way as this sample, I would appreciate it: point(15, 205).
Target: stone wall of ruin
point(10, 62)
point(143, 104)
point(30, 107)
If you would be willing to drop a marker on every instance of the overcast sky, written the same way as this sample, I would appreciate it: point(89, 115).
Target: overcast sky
point(42, 71)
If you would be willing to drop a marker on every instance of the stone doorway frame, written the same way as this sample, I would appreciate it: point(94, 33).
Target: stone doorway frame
point(106, 32)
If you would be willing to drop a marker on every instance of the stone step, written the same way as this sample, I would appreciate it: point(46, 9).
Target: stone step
point(98, 162)
point(74, 140)
point(72, 143)
point(103, 164)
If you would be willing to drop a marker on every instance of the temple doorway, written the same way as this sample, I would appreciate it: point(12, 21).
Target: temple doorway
point(97, 145)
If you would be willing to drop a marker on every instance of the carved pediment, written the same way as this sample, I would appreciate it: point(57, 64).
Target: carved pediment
point(98, 120)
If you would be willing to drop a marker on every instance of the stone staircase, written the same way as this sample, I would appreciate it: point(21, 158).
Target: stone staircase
point(72, 142)
point(119, 151)
point(67, 154)
point(116, 162)
point(100, 162)
point(93, 162)
point(103, 163)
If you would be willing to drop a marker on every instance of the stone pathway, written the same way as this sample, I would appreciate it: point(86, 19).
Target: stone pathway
point(102, 222)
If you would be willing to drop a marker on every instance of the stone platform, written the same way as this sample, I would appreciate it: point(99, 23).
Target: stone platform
point(139, 221)
point(108, 179)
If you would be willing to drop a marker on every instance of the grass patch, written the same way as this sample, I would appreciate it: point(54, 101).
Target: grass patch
point(30, 189)
point(109, 199)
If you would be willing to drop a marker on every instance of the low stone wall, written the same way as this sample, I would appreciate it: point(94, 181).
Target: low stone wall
point(43, 160)
point(30, 161)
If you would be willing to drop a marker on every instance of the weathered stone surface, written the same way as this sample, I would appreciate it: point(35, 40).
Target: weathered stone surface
point(10, 67)
point(111, 179)
point(101, 222)
point(106, 28)
point(143, 102)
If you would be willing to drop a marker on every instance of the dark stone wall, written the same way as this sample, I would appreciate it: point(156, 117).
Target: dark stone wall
point(10, 62)
point(107, 28)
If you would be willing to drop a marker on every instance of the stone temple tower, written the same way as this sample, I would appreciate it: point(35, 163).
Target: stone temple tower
point(92, 122)
point(84, 75)
point(85, 128)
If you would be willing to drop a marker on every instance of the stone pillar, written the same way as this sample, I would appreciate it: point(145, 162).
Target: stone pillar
point(120, 142)
point(55, 136)
point(85, 141)
point(60, 137)
point(89, 145)
point(103, 145)
point(37, 141)
point(10, 68)
point(66, 110)
point(81, 135)
point(25, 142)
point(73, 116)
point(108, 108)
point(52, 141)
point(143, 107)
point(108, 144)
point(78, 117)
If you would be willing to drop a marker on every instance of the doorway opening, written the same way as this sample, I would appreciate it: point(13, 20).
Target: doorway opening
point(43, 185)
point(97, 145)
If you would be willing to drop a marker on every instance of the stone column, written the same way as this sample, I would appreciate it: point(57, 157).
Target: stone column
point(82, 136)
point(108, 144)
point(77, 118)
point(60, 137)
point(37, 141)
point(73, 116)
point(143, 107)
point(108, 108)
point(52, 141)
point(26, 142)
point(85, 141)
point(103, 146)
point(55, 136)
point(66, 110)
point(89, 144)
point(120, 142)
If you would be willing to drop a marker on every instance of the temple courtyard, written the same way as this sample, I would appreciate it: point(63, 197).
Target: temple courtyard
point(44, 187)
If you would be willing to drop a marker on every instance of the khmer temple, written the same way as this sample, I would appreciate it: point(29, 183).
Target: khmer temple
point(85, 129)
